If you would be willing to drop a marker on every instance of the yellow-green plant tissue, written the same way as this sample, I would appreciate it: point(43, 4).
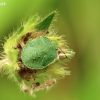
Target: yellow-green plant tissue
point(34, 54)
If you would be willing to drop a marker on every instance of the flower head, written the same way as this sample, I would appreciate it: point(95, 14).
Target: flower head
point(34, 54)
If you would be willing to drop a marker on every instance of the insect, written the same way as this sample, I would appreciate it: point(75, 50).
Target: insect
point(39, 53)
point(25, 72)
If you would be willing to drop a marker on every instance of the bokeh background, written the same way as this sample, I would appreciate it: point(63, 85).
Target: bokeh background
point(79, 20)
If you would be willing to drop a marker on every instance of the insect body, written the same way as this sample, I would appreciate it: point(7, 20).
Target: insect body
point(39, 53)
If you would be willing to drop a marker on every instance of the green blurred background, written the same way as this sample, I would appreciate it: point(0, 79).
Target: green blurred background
point(79, 20)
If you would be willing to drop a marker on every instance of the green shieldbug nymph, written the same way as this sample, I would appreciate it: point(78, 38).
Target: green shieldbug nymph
point(38, 53)
point(33, 58)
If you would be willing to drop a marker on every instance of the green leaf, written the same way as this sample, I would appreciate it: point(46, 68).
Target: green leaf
point(45, 23)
